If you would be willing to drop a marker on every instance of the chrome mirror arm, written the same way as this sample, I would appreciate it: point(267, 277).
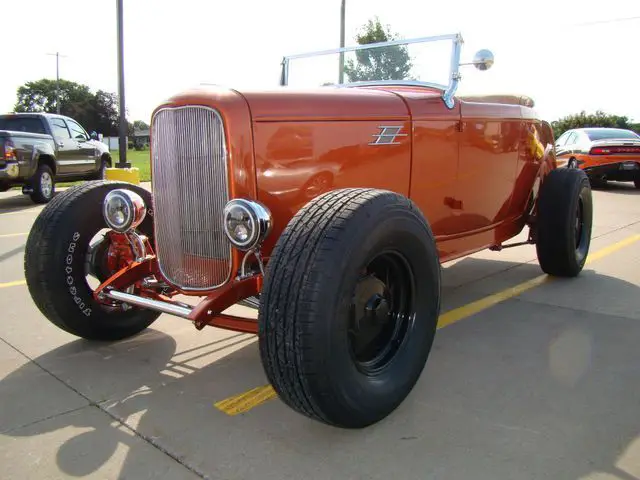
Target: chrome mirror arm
point(454, 79)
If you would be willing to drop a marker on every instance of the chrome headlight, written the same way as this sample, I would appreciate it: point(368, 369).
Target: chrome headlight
point(123, 210)
point(246, 223)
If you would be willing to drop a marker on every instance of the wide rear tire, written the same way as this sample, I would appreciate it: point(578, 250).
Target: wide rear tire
point(350, 306)
point(564, 222)
point(56, 270)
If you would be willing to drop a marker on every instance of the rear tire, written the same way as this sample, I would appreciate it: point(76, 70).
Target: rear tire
point(43, 184)
point(55, 264)
point(352, 266)
point(564, 222)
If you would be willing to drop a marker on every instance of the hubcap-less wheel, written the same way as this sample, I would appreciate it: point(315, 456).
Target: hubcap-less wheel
point(350, 305)
point(564, 222)
point(61, 259)
point(382, 312)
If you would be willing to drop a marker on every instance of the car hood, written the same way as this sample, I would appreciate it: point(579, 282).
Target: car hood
point(326, 103)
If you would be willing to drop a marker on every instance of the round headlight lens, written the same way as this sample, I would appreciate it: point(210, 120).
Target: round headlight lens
point(239, 224)
point(123, 210)
point(246, 223)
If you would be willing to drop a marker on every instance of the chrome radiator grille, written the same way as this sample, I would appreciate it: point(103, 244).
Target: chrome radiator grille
point(190, 189)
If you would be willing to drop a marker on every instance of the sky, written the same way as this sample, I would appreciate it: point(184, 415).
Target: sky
point(568, 55)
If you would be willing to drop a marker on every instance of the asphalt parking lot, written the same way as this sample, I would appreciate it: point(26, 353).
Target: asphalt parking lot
point(528, 379)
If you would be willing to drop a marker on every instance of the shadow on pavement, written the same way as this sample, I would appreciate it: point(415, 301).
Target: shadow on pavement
point(17, 202)
point(625, 188)
point(521, 391)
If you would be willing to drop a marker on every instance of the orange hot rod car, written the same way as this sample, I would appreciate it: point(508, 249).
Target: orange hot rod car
point(329, 209)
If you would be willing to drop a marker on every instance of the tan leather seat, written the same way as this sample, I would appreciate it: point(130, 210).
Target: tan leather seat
point(506, 99)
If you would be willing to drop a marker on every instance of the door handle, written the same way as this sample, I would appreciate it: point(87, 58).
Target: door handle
point(61, 144)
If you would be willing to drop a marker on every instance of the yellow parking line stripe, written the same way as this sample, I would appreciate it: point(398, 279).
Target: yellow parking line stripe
point(13, 284)
point(460, 313)
point(244, 402)
point(603, 252)
point(7, 235)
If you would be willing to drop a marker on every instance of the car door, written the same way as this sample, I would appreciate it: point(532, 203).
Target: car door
point(85, 151)
point(65, 145)
point(489, 151)
point(434, 167)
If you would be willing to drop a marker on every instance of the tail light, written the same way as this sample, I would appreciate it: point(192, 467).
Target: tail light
point(9, 150)
point(613, 150)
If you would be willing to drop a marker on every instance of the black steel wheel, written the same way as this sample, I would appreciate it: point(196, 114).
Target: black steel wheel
point(350, 305)
point(564, 222)
point(382, 311)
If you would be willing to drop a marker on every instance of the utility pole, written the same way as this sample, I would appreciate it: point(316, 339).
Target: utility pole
point(57, 54)
point(122, 130)
point(341, 69)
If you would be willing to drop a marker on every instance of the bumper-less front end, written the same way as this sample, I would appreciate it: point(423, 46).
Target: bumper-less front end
point(208, 227)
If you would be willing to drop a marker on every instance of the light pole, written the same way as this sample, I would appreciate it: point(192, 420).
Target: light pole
point(122, 124)
point(341, 68)
point(57, 54)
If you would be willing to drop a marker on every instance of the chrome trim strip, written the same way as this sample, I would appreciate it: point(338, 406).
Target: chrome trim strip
point(448, 90)
point(450, 36)
point(157, 305)
point(400, 83)
point(190, 218)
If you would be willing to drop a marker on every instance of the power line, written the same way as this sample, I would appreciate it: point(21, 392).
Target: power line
point(612, 20)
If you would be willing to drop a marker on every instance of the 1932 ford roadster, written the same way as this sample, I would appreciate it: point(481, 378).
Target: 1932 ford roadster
point(329, 209)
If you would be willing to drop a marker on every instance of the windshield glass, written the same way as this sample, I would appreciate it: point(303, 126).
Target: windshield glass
point(611, 133)
point(419, 60)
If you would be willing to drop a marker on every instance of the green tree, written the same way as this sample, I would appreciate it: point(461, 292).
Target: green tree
point(385, 63)
point(94, 111)
point(597, 119)
point(140, 125)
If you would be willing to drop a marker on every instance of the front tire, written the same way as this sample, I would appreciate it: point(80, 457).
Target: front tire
point(56, 269)
point(101, 174)
point(636, 182)
point(350, 306)
point(564, 222)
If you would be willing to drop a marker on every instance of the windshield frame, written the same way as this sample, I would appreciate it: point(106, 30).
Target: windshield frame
point(448, 91)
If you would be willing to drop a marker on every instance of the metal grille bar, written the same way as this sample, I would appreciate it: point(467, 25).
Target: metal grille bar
point(190, 189)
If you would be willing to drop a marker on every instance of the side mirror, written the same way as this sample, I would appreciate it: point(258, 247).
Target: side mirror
point(94, 136)
point(483, 59)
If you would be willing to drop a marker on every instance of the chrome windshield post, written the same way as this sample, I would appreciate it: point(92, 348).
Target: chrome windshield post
point(284, 78)
point(448, 94)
